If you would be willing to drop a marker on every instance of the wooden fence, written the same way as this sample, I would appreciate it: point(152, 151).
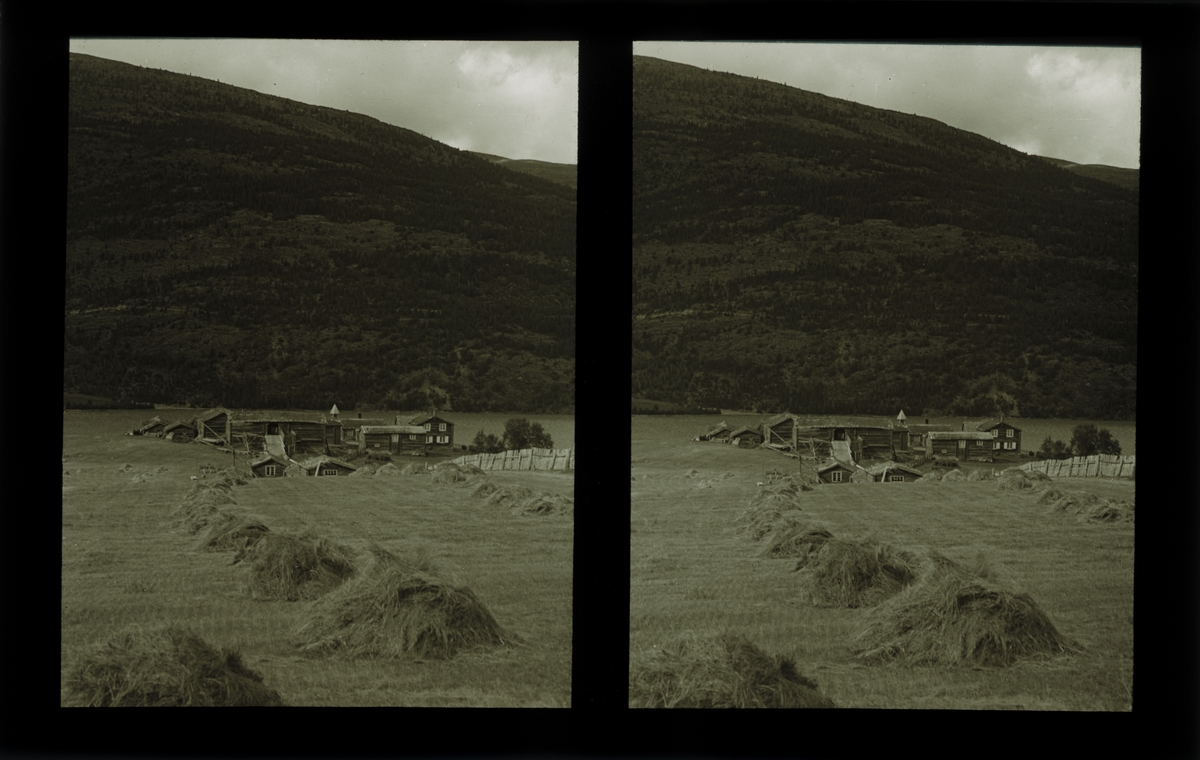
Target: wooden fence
point(525, 459)
point(1095, 466)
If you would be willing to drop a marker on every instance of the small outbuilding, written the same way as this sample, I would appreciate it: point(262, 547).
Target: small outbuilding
point(180, 432)
point(719, 433)
point(746, 436)
point(834, 471)
point(326, 467)
point(269, 466)
point(893, 472)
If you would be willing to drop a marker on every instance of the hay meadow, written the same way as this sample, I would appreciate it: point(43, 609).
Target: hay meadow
point(127, 565)
point(696, 571)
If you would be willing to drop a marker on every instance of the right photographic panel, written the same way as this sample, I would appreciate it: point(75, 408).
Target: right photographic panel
point(884, 376)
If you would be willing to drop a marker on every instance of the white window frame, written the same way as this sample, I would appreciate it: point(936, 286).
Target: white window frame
point(1010, 445)
point(835, 476)
point(995, 432)
point(428, 439)
point(442, 427)
point(412, 436)
point(443, 439)
point(329, 472)
point(269, 471)
point(895, 478)
point(428, 426)
point(996, 445)
point(1008, 433)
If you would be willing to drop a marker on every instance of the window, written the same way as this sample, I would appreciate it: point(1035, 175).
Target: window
point(428, 427)
point(329, 472)
point(428, 438)
point(1008, 433)
point(1010, 445)
point(443, 439)
point(895, 478)
point(442, 427)
point(412, 436)
point(995, 433)
point(269, 471)
point(943, 451)
point(997, 445)
point(835, 477)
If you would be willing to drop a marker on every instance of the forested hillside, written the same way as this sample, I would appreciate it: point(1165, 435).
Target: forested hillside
point(228, 247)
point(795, 251)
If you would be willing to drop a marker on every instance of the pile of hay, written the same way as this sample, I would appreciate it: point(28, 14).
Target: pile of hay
point(795, 537)
point(1118, 510)
point(388, 469)
point(951, 616)
point(230, 532)
point(293, 567)
point(366, 468)
point(856, 572)
point(414, 469)
point(454, 475)
point(758, 522)
point(195, 516)
point(399, 608)
point(484, 488)
point(954, 476)
point(720, 671)
point(1074, 502)
point(546, 504)
point(169, 667)
point(508, 497)
point(931, 476)
point(1013, 479)
point(977, 475)
point(470, 469)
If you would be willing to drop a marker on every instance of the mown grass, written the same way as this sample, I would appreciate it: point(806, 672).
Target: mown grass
point(691, 571)
point(123, 563)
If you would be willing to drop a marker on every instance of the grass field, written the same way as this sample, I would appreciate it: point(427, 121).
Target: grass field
point(123, 564)
point(692, 572)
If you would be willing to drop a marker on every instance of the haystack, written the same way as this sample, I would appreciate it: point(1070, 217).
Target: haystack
point(168, 667)
point(470, 469)
point(366, 468)
point(1013, 479)
point(951, 616)
point(796, 537)
point(856, 572)
point(546, 504)
point(230, 532)
point(454, 475)
point(195, 516)
point(414, 469)
point(388, 470)
point(720, 671)
point(508, 496)
point(399, 607)
point(954, 476)
point(484, 488)
point(293, 567)
point(1075, 502)
point(1118, 510)
point(761, 521)
point(977, 475)
point(931, 476)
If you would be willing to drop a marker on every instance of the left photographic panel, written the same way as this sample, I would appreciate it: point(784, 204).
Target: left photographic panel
point(342, 275)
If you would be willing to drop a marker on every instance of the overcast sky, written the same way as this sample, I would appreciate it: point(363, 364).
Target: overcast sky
point(1075, 103)
point(512, 99)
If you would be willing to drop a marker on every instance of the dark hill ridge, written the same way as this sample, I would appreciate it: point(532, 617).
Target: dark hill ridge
point(235, 248)
point(796, 251)
point(564, 174)
point(1127, 178)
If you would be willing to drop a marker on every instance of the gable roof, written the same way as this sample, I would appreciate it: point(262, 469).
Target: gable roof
point(954, 435)
point(321, 461)
point(929, 429)
point(989, 424)
point(746, 429)
point(421, 419)
point(206, 416)
point(270, 458)
point(392, 429)
point(832, 463)
point(883, 467)
point(826, 421)
point(174, 425)
point(150, 423)
point(773, 421)
point(718, 429)
point(358, 423)
point(256, 415)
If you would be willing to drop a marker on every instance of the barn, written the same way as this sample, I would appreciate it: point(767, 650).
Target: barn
point(351, 429)
point(180, 432)
point(324, 466)
point(746, 436)
point(269, 466)
point(961, 444)
point(439, 432)
point(298, 432)
point(918, 432)
point(780, 431)
point(867, 437)
point(392, 438)
point(154, 426)
point(719, 433)
point(213, 426)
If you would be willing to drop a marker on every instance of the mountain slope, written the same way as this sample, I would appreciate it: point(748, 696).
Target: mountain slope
point(229, 247)
point(1126, 178)
point(797, 251)
point(564, 174)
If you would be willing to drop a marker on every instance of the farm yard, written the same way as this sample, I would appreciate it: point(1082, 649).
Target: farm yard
point(496, 546)
point(1061, 570)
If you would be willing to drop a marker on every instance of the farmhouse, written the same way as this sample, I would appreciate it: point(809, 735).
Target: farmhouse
point(179, 432)
point(962, 444)
point(917, 433)
point(269, 466)
point(324, 466)
point(867, 437)
point(438, 431)
point(1006, 438)
point(392, 438)
point(352, 429)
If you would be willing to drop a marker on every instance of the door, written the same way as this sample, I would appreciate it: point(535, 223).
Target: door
point(962, 449)
point(395, 441)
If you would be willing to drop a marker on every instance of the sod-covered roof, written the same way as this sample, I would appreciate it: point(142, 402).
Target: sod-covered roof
point(180, 424)
point(989, 424)
point(746, 431)
point(359, 423)
point(959, 435)
point(883, 468)
point(834, 464)
point(321, 461)
point(257, 415)
point(421, 419)
point(882, 423)
point(268, 459)
point(392, 429)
